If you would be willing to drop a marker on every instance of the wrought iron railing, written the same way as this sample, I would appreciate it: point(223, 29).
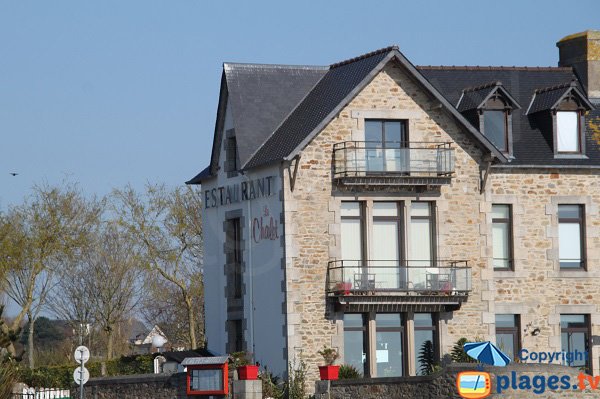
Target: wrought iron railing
point(347, 277)
point(414, 159)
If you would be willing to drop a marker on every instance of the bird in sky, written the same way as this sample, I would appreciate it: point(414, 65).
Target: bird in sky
point(13, 173)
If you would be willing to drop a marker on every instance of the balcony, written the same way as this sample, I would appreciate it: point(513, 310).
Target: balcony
point(395, 285)
point(392, 165)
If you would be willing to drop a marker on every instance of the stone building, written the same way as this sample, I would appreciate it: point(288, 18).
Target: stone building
point(374, 206)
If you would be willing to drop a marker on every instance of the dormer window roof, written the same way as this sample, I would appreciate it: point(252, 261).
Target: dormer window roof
point(491, 104)
point(550, 98)
point(566, 106)
point(478, 97)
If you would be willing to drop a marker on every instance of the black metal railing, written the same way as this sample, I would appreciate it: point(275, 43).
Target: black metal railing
point(415, 159)
point(347, 277)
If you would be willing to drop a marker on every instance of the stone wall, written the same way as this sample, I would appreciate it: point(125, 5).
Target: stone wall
point(156, 386)
point(442, 385)
point(312, 219)
point(537, 290)
point(159, 386)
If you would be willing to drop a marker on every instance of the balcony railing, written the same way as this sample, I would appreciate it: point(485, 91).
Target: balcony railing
point(399, 162)
point(373, 277)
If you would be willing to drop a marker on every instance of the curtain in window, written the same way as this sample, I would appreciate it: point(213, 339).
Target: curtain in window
point(567, 131)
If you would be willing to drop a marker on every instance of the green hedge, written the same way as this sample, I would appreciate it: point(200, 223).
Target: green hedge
point(62, 376)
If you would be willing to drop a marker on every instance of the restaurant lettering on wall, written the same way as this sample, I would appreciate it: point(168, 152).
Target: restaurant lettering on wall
point(244, 191)
point(265, 227)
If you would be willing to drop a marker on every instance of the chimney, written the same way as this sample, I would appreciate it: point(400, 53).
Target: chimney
point(582, 52)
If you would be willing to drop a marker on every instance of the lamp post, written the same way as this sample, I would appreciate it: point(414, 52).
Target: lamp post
point(158, 341)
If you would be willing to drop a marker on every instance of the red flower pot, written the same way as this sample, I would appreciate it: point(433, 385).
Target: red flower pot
point(343, 288)
point(249, 372)
point(329, 372)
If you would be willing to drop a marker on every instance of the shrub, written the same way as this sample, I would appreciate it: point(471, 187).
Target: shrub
point(62, 376)
point(458, 353)
point(349, 372)
point(296, 384)
point(427, 359)
point(272, 387)
point(329, 355)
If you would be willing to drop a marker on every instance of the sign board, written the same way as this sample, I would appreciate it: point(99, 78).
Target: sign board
point(207, 375)
point(81, 375)
point(82, 354)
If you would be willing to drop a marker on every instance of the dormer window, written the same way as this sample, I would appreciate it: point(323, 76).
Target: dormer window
point(568, 132)
point(495, 127)
point(490, 106)
point(560, 111)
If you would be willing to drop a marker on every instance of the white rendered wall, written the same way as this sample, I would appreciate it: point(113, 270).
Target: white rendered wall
point(263, 277)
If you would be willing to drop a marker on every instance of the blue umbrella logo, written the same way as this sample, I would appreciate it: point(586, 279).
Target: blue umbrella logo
point(487, 353)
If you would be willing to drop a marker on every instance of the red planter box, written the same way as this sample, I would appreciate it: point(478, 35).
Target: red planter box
point(329, 372)
point(249, 372)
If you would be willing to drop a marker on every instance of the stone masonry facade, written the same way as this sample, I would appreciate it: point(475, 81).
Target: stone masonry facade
point(536, 289)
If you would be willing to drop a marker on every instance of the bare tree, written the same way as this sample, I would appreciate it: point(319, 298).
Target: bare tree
point(168, 226)
point(70, 297)
point(114, 270)
point(164, 306)
point(51, 224)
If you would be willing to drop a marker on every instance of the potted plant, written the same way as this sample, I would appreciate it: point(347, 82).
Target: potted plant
point(241, 361)
point(343, 287)
point(329, 371)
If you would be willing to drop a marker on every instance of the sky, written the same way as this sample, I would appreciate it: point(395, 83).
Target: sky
point(108, 93)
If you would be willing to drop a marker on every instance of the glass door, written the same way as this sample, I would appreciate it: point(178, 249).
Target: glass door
point(385, 249)
point(386, 146)
point(352, 243)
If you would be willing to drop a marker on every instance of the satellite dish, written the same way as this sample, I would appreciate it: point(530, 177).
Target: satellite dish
point(82, 354)
point(81, 375)
point(158, 341)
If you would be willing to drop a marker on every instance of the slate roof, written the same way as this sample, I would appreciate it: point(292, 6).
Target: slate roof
point(261, 96)
point(549, 97)
point(336, 85)
point(276, 108)
point(179, 356)
point(475, 97)
point(530, 145)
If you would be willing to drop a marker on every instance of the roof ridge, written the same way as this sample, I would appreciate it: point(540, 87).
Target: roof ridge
point(363, 56)
point(494, 68)
point(274, 66)
point(483, 86)
point(556, 87)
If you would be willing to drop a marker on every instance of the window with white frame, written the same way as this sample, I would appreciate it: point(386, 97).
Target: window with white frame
point(502, 237)
point(568, 132)
point(571, 236)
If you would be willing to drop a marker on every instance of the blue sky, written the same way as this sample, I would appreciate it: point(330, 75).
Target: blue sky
point(107, 93)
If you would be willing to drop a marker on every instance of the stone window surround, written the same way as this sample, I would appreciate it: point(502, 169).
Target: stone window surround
point(336, 251)
point(592, 254)
point(235, 306)
point(410, 358)
point(410, 116)
point(519, 254)
point(554, 322)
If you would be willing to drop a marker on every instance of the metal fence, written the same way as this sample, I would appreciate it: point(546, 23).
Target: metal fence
point(363, 158)
point(357, 276)
point(42, 393)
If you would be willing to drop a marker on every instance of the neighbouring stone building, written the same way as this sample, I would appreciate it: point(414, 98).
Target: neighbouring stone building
point(375, 206)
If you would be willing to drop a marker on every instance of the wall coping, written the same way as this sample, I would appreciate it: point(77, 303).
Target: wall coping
point(556, 369)
point(132, 379)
